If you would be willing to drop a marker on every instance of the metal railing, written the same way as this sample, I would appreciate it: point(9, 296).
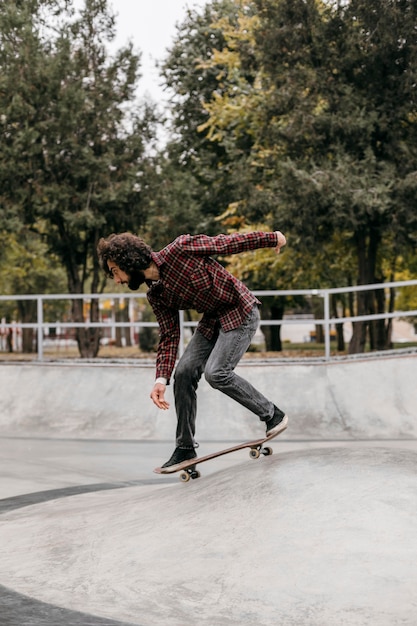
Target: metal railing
point(41, 326)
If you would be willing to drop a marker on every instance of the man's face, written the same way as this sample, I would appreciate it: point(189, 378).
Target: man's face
point(133, 281)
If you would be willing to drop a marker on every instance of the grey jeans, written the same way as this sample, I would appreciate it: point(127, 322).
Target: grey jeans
point(217, 358)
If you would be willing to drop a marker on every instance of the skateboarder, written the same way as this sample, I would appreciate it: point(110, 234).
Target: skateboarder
point(184, 275)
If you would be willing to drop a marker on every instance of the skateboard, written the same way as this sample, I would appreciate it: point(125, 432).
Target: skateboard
point(187, 468)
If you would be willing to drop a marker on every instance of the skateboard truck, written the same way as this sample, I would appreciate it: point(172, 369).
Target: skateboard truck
point(188, 473)
point(256, 451)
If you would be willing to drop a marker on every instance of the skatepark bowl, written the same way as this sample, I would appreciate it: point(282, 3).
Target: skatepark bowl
point(322, 532)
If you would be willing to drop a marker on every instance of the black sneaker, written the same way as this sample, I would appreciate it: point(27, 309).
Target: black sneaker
point(277, 423)
point(179, 455)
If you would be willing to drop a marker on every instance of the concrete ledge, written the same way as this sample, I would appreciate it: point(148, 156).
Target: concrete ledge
point(359, 399)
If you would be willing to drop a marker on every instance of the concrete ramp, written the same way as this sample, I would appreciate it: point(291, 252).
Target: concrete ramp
point(319, 537)
point(371, 398)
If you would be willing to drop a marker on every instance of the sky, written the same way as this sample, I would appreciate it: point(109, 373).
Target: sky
point(150, 24)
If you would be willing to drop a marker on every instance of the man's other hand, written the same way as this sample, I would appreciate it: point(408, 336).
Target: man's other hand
point(281, 241)
point(158, 396)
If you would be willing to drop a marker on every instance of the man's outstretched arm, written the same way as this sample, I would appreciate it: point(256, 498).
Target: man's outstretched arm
point(203, 245)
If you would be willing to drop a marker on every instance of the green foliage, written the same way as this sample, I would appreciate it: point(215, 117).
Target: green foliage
point(171, 195)
point(193, 78)
point(311, 110)
point(27, 268)
point(343, 112)
point(330, 106)
point(406, 299)
point(72, 152)
point(74, 143)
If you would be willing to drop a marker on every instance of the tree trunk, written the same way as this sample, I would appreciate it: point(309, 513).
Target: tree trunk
point(388, 327)
point(27, 312)
point(88, 339)
point(318, 312)
point(339, 327)
point(367, 243)
point(272, 334)
point(358, 340)
point(122, 333)
point(118, 318)
point(148, 336)
point(378, 326)
point(9, 340)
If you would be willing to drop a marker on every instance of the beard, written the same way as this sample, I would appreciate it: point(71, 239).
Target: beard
point(136, 279)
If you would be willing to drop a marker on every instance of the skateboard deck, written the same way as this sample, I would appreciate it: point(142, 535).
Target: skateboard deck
point(187, 468)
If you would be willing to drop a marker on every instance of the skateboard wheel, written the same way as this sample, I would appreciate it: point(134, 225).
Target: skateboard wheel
point(195, 474)
point(267, 451)
point(184, 477)
point(254, 453)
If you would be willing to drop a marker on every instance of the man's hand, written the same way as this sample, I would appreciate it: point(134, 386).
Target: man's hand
point(281, 241)
point(158, 396)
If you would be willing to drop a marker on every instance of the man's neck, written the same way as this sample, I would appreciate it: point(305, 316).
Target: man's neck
point(152, 272)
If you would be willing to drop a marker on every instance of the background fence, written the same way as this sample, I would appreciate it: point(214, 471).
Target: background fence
point(45, 329)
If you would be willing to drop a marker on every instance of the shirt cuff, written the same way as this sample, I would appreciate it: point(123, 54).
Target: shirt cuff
point(161, 380)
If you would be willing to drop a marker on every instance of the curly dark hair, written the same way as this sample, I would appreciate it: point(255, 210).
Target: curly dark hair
point(128, 251)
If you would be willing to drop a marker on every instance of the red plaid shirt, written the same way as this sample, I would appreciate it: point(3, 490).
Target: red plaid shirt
point(191, 279)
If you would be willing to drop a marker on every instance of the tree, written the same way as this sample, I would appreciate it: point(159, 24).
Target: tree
point(331, 112)
point(192, 77)
point(171, 195)
point(74, 143)
point(27, 268)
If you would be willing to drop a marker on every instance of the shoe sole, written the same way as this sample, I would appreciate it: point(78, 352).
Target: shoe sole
point(279, 427)
point(177, 466)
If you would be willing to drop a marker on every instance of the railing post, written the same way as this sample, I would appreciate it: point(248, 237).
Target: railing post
point(326, 325)
point(40, 327)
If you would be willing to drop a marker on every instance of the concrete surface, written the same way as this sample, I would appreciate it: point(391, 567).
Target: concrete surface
point(317, 536)
point(369, 398)
point(323, 532)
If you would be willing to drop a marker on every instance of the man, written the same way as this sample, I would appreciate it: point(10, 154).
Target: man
point(183, 275)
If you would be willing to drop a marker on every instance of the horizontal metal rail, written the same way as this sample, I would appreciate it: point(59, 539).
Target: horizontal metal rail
point(327, 321)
